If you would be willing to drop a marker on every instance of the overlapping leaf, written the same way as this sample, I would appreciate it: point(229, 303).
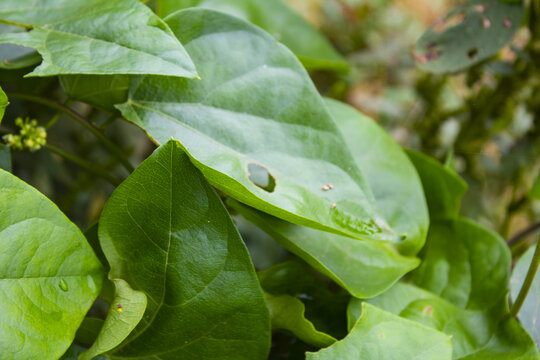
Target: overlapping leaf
point(166, 232)
point(95, 37)
point(471, 32)
point(3, 103)
point(13, 56)
point(381, 335)
point(256, 112)
point(530, 310)
point(274, 16)
point(49, 275)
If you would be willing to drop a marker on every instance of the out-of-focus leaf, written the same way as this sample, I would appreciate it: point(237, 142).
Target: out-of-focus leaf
point(125, 313)
point(363, 268)
point(529, 313)
point(381, 335)
point(287, 313)
point(249, 81)
point(535, 191)
point(5, 157)
point(75, 350)
point(166, 232)
point(471, 32)
point(442, 187)
point(274, 16)
point(113, 37)
point(49, 276)
point(3, 103)
point(392, 177)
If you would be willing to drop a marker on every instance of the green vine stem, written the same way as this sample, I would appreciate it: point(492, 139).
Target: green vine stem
point(89, 166)
point(115, 150)
point(527, 283)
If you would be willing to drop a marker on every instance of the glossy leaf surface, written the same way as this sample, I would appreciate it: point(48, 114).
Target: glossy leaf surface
point(392, 177)
point(125, 313)
point(465, 264)
point(13, 56)
point(287, 313)
point(443, 188)
point(49, 275)
point(251, 81)
point(381, 335)
point(274, 16)
point(166, 232)
point(472, 32)
point(529, 313)
point(111, 37)
point(363, 268)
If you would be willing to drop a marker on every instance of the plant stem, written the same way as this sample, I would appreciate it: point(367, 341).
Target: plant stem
point(115, 150)
point(527, 283)
point(522, 234)
point(87, 165)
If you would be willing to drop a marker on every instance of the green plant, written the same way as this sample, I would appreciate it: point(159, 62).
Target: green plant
point(379, 262)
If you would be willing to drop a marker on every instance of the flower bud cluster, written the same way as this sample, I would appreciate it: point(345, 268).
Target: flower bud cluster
point(31, 136)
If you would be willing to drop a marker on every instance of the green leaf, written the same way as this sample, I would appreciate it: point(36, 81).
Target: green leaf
point(125, 313)
point(3, 103)
point(380, 335)
point(49, 275)
point(535, 190)
point(443, 188)
point(471, 33)
point(465, 264)
point(102, 92)
point(278, 19)
point(74, 351)
point(476, 334)
point(251, 81)
point(397, 188)
point(363, 268)
point(287, 313)
point(530, 310)
point(166, 232)
point(95, 37)
point(13, 56)
point(325, 305)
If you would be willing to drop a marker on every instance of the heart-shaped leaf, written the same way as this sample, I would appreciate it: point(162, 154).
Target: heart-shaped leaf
point(110, 37)
point(381, 335)
point(166, 232)
point(249, 81)
point(49, 275)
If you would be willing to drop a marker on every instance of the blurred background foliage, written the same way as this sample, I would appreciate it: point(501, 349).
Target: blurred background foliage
point(485, 118)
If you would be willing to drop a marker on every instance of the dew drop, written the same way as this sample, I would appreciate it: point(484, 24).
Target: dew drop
point(63, 285)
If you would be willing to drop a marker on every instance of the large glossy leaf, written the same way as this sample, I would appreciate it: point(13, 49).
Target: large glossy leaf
point(49, 275)
point(125, 313)
point(284, 163)
point(475, 334)
point(13, 56)
point(102, 92)
point(529, 313)
point(443, 188)
point(465, 264)
point(397, 188)
point(287, 313)
point(95, 37)
point(165, 231)
point(363, 268)
point(471, 32)
point(380, 335)
point(274, 16)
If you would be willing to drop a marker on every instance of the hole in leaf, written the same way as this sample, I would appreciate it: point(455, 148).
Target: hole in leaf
point(260, 176)
point(472, 53)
